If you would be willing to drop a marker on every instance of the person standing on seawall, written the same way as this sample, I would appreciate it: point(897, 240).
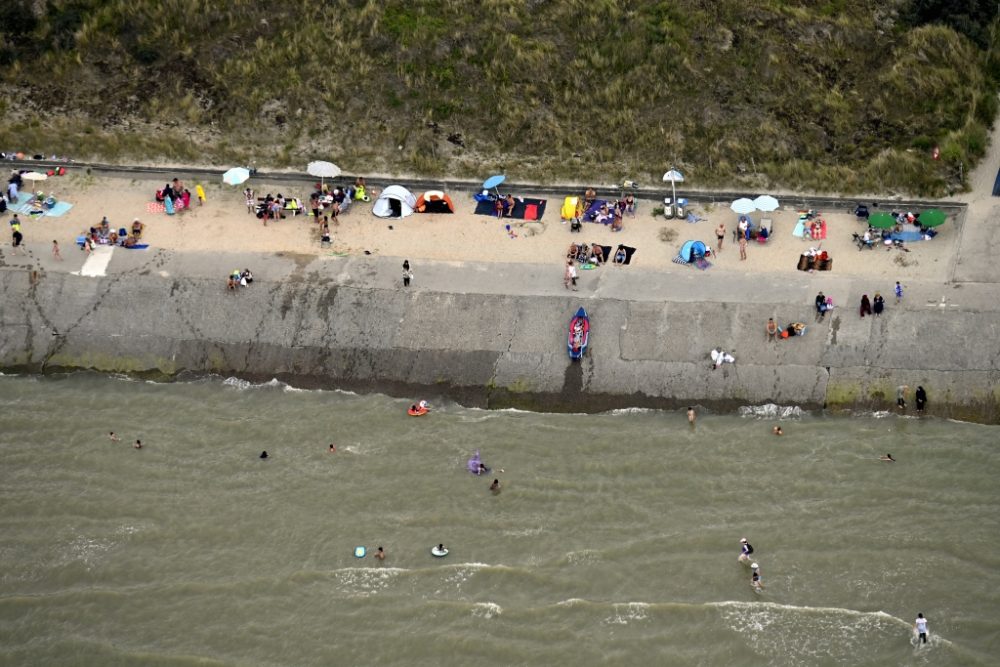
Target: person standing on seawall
point(921, 397)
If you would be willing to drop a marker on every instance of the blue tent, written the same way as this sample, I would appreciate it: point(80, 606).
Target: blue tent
point(692, 250)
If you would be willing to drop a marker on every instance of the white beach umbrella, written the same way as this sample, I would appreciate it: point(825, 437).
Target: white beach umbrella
point(743, 206)
point(34, 176)
point(323, 169)
point(674, 177)
point(236, 176)
point(766, 203)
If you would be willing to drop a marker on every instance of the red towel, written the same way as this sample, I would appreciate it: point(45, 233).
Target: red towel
point(531, 211)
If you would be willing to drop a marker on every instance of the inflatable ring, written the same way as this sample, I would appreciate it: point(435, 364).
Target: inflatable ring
point(438, 553)
point(359, 552)
point(419, 412)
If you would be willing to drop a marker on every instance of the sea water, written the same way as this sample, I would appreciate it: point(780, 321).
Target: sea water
point(613, 540)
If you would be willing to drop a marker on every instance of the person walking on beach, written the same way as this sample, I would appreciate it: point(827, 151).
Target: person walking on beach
point(920, 627)
point(55, 250)
point(251, 202)
point(569, 277)
point(820, 306)
point(899, 292)
point(878, 304)
point(921, 397)
point(866, 305)
point(901, 392)
point(772, 329)
point(720, 234)
point(407, 274)
point(17, 238)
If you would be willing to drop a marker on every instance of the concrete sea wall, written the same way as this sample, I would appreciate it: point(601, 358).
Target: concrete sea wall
point(317, 326)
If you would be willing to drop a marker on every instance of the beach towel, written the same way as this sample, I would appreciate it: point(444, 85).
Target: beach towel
point(155, 207)
point(606, 251)
point(907, 236)
point(691, 217)
point(59, 209)
point(800, 228)
point(531, 211)
point(486, 207)
point(591, 213)
point(137, 246)
point(528, 209)
point(702, 263)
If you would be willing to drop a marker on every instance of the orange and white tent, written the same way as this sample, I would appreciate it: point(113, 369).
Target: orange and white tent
point(434, 201)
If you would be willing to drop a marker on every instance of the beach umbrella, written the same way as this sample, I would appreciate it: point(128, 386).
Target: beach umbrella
point(323, 169)
point(674, 177)
point(34, 176)
point(881, 221)
point(743, 206)
point(236, 175)
point(493, 182)
point(766, 203)
point(932, 218)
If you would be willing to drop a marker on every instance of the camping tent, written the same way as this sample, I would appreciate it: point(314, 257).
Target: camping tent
point(691, 250)
point(394, 202)
point(434, 201)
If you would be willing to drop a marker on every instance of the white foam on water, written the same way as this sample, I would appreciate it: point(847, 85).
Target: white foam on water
point(772, 411)
point(486, 610)
point(626, 612)
point(631, 411)
point(366, 581)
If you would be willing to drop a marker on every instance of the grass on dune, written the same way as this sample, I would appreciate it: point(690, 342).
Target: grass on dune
point(841, 94)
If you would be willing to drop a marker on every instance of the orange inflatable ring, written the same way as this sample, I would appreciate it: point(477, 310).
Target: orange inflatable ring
point(419, 412)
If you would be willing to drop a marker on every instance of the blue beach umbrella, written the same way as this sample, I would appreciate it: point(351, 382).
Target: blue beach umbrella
point(494, 181)
point(236, 176)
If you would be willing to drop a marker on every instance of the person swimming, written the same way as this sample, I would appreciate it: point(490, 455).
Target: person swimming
point(495, 486)
point(424, 405)
point(482, 469)
point(887, 457)
point(333, 448)
point(138, 444)
point(263, 454)
point(380, 553)
point(114, 438)
point(777, 431)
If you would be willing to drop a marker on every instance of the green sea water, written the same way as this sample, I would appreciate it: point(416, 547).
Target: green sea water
point(613, 540)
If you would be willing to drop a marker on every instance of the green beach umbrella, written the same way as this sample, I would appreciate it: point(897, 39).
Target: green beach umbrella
point(932, 218)
point(881, 221)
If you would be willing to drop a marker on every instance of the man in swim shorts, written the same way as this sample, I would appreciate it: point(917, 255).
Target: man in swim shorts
point(138, 444)
point(114, 438)
point(495, 486)
point(380, 553)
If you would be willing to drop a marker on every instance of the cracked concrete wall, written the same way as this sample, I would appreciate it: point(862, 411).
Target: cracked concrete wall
point(494, 350)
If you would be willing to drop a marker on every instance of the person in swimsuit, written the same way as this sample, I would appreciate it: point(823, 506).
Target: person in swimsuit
point(777, 431)
point(755, 579)
point(263, 454)
point(380, 553)
point(332, 449)
point(772, 329)
point(114, 438)
point(495, 486)
point(720, 234)
point(691, 415)
point(138, 444)
point(887, 457)
point(424, 405)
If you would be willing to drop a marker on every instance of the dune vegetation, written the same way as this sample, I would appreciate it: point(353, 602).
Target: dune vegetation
point(825, 95)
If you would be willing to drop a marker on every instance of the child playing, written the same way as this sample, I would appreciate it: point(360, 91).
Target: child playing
point(899, 292)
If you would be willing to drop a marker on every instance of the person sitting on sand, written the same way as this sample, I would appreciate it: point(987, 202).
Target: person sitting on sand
point(598, 254)
point(508, 205)
point(772, 329)
point(230, 282)
point(630, 204)
point(617, 224)
point(589, 197)
point(137, 228)
point(131, 241)
point(620, 255)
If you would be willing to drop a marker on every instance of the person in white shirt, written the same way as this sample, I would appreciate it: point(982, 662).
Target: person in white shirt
point(920, 627)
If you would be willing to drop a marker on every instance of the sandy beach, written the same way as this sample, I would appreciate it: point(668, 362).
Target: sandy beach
point(224, 224)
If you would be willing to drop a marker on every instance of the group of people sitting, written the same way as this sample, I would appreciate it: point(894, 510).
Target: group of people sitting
point(624, 205)
point(271, 207)
point(593, 253)
point(179, 195)
point(775, 332)
point(105, 234)
point(331, 202)
point(239, 278)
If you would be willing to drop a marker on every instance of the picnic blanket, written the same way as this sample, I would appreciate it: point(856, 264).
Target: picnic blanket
point(525, 208)
point(907, 236)
point(24, 207)
point(591, 213)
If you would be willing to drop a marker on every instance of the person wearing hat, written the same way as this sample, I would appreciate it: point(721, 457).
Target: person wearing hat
point(745, 550)
point(755, 579)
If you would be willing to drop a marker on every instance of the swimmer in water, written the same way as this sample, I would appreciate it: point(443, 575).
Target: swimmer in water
point(887, 457)
point(745, 550)
point(755, 580)
point(380, 554)
point(777, 431)
point(691, 415)
point(333, 448)
point(424, 405)
point(495, 486)
point(482, 469)
point(138, 444)
point(114, 438)
point(263, 454)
